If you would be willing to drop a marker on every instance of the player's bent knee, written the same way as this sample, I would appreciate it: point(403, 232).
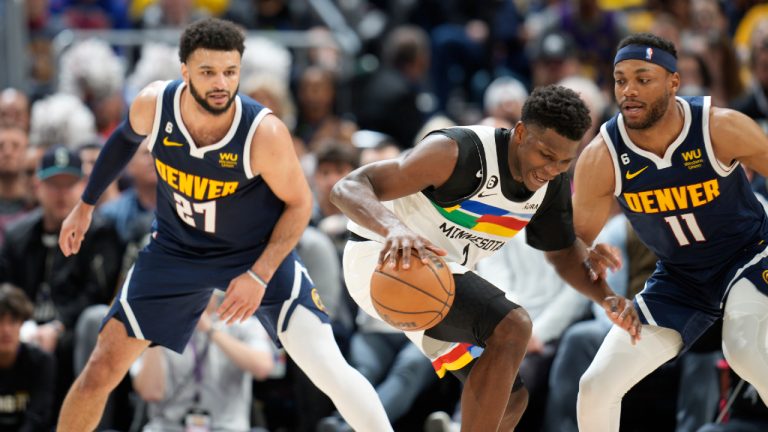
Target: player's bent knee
point(515, 327)
point(587, 386)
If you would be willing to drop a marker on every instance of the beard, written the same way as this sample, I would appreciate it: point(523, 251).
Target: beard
point(656, 110)
point(204, 103)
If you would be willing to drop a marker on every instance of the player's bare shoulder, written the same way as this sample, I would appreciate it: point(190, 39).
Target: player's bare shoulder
point(594, 168)
point(270, 140)
point(143, 107)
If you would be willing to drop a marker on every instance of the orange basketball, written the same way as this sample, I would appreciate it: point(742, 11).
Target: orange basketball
point(414, 299)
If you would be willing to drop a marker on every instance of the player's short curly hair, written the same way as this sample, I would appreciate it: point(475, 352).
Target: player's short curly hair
point(650, 40)
point(557, 108)
point(211, 33)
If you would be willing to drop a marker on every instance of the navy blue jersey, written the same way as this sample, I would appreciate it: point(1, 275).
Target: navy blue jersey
point(693, 212)
point(209, 202)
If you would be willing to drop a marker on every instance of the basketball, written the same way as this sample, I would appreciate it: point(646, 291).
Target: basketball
point(414, 299)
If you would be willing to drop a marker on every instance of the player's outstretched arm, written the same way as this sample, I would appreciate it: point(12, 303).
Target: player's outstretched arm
point(584, 267)
point(736, 137)
point(117, 152)
point(360, 193)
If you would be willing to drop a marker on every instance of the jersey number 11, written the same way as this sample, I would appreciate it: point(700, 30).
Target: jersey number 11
point(677, 228)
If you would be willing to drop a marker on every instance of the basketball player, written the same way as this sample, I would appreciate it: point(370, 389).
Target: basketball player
point(232, 204)
point(673, 165)
point(463, 192)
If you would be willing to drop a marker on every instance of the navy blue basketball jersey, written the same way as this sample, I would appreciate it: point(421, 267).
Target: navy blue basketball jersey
point(692, 211)
point(209, 202)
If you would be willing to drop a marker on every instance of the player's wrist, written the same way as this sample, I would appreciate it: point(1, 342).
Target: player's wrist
point(255, 276)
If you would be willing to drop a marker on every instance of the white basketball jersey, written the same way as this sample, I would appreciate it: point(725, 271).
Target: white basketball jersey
point(476, 226)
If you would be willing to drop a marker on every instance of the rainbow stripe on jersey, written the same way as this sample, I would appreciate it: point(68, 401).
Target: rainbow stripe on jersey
point(485, 218)
point(455, 359)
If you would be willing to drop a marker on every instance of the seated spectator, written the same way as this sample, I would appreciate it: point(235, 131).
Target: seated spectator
point(208, 386)
point(13, 150)
point(334, 161)
point(61, 287)
point(743, 410)
point(133, 211)
point(504, 98)
point(61, 119)
point(14, 109)
point(317, 120)
point(375, 146)
point(26, 372)
point(88, 154)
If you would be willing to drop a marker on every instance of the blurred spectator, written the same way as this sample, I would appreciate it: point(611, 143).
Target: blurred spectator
point(60, 287)
point(88, 154)
point(471, 43)
point(61, 119)
point(14, 109)
point(26, 372)
point(742, 408)
point(504, 99)
point(334, 161)
point(133, 211)
point(170, 14)
point(695, 78)
point(265, 56)
point(92, 71)
point(157, 62)
point(13, 184)
point(208, 7)
point(554, 57)
point(92, 14)
point(374, 146)
point(596, 101)
point(272, 92)
point(43, 26)
point(31, 161)
point(392, 100)
point(595, 33)
point(268, 14)
point(317, 121)
point(755, 102)
point(208, 386)
point(709, 38)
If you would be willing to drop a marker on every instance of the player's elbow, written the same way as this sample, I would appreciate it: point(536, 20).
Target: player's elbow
point(337, 193)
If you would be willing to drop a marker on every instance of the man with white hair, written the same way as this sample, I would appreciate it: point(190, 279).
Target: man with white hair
point(504, 99)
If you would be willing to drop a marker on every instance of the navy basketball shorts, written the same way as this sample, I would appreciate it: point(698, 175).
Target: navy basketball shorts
point(163, 296)
point(673, 300)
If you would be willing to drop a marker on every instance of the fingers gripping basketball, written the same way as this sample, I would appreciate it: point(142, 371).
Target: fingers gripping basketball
point(414, 299)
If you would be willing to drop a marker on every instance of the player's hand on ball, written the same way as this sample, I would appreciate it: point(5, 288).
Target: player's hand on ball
point(622, 313)
point(601, 258)
point(241, 300)
point(400, 244)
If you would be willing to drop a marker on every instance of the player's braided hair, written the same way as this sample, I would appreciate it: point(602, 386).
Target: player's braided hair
point(557, 108)
point(650, 40)
point(211, 33)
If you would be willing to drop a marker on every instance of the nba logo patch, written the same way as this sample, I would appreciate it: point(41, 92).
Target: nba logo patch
point(648, 53)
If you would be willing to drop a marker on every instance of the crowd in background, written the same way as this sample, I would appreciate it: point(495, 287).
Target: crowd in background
point(414, 66)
